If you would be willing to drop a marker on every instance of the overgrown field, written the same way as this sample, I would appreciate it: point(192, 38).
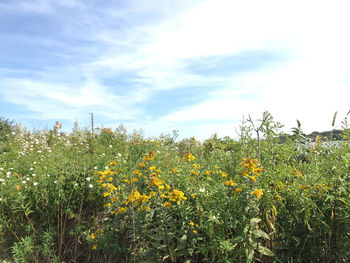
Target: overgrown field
point(118, 197)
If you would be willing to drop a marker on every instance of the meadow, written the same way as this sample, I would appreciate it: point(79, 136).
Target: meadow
point(113, 196)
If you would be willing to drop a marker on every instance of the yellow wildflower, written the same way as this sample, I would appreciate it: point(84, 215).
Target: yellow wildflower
point(94, 247)
point(191, 224)
point(237, 190)
point(156, 181)
point(152, 168)
point(121, 210)
point(196, 173)
point(195, 232)
point(149, 157)
point(193, 196)
point(252, 178)
point(258, 193)
point(229, 183)
point(167, 204)
point(177, 196)
point(298, 173)
point(189, 157)
point(113, 163)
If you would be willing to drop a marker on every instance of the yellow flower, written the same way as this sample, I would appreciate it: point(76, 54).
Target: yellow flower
point(298, 173)
point(193, 196)
point(207, 172)
point(106, 194)
point(142, 165)
point(229, 183)
point(149, 157)
point(94, 247)
point(113, 163)
point(152, 168)
point(189, 157)
point(121, 210)
point(167, 204)
point(237, 190)
point(252, 178)
point(257, 193)
point(194, 173)
point(191, 224)
point(156, 181)
point(174, 170)
point(92, 236)
point(177, 196)
point(134, 196)
point(194, 231)
point(108, 204)
point(223, 174)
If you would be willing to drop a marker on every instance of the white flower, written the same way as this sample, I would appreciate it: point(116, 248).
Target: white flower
point(103, 154)
point(2, 180)
point(75, 184)
point(1, 169)
point(8, 173)
point(48, 175)
point(110, 146)
point(0, 199)
point(202, 190)
point(39, 151)
point(35, 183)
point(55, 182)
point(106, 168)
point(95, 167)
point(23, 182)
point(214, 217)
point(27, 178)
point(34, 162)
point(88, 179)
point(90, 185)
point(31, 169)
point(33, 175)
point(11, 168)
point(119, 154)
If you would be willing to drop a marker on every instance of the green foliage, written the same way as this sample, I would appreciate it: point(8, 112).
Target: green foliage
point(118, 197)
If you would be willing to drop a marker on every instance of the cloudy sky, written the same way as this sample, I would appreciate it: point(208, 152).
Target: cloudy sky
point(162, 65)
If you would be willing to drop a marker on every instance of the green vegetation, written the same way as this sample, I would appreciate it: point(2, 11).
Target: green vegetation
point(118, 197)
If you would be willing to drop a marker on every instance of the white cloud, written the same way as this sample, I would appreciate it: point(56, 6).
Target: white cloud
point(310, 37)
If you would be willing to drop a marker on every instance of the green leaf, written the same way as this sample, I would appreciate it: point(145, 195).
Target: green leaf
point(260, 233)
point(254, 221)
point(265, 251)
point(238, 239)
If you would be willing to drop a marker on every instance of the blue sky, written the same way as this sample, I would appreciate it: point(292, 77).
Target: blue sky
point(163, 65)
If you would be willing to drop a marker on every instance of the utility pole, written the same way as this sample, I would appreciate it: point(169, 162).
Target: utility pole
point(92, 122)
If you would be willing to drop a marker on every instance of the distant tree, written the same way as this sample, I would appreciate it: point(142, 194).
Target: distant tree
point(6, 127)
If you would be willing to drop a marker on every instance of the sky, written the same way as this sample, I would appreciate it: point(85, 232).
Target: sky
point(198, 67)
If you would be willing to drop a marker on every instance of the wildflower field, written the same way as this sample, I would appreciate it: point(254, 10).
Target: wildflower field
point(113, 196)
